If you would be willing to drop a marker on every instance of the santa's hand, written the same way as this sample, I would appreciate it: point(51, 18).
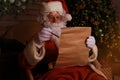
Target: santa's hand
point(44, 34)
point(90, 42)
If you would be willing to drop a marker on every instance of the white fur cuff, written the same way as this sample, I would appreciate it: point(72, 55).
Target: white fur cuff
point(31, 54)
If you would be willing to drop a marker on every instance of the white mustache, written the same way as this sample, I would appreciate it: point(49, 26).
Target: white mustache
point(49, 24)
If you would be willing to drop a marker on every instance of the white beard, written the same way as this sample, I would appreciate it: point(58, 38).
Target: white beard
point(56, 29)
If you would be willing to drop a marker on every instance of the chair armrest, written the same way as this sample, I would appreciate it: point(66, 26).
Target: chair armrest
point(29, 74)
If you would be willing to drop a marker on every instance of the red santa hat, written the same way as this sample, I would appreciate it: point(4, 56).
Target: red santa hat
point(59, 6)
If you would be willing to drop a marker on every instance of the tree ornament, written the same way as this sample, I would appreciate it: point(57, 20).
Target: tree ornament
point(23, 7)
point(101, 41)
point(11, 1)
point(5, 1)
point(82, 6)
point(23, 0)
point(96, 23)
point(100, 30)
point(86, 17)
point(92, 7)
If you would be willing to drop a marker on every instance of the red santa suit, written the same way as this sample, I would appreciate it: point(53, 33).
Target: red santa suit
point(41, 62)
point(30, 57)
point(42, 69)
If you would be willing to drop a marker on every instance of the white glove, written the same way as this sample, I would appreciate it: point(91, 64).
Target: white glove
point(90, 42)
point(44, 34)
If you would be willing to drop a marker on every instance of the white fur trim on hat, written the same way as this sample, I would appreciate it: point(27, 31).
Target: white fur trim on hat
point(68, 17)
point(53, 6)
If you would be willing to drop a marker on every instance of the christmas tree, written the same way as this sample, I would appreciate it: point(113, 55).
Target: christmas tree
point(100, 15)
point(12, 6)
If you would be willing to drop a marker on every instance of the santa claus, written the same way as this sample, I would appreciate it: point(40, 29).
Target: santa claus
point(42, 51)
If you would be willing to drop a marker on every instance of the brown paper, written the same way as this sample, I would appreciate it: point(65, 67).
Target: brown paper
point(72, 47)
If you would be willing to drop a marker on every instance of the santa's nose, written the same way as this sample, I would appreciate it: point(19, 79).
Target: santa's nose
point(55, 20)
